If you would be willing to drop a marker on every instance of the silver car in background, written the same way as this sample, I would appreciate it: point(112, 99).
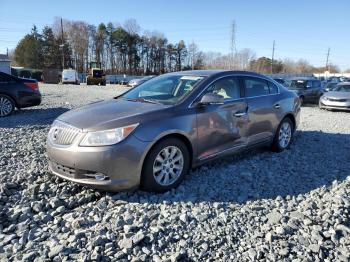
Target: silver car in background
point(338, 98)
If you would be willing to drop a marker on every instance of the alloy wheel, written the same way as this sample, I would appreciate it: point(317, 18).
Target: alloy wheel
point(168, 165)
point(6, 106)
point(285, 135)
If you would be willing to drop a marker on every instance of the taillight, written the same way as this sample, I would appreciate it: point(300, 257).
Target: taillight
point(32, 85)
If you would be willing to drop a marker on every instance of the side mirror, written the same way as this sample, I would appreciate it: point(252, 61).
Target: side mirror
point(210, 98)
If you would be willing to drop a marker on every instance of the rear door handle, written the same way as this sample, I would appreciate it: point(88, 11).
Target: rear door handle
point(277, 106)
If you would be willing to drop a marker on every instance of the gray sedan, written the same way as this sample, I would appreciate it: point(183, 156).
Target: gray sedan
point(338, 99)
point(154, 133)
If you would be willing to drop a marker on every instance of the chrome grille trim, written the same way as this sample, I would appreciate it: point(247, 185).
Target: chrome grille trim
point(337, 99)
point(63, 134)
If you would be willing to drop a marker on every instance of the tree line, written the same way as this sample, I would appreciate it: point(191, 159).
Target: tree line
point(126, 49)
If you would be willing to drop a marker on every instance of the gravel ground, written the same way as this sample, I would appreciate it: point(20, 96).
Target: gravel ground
point(291, 206)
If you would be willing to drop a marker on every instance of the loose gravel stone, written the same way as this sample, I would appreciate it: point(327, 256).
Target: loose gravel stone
point(258, 205)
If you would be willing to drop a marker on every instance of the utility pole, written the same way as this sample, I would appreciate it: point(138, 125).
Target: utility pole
point(273, 55)
point(7, 51)
point(233, 45)
point(62, 44)
point(327, 65)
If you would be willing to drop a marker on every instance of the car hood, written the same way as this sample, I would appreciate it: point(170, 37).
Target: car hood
point(109, 114)
point(339, 95)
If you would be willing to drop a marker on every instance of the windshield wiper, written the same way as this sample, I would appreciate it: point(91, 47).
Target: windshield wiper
point(143, 100)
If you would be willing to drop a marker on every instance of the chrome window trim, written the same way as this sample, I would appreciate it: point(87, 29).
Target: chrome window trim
point(236, 75)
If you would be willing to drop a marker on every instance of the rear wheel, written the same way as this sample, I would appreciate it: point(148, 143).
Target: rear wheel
point(7, 105)
point(165, 166)
point(283, 136)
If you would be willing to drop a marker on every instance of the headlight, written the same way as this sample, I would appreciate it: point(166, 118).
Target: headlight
point(107, 137)
point(324, 98)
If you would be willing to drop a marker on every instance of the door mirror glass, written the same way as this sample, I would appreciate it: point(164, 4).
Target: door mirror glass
point(211, 98)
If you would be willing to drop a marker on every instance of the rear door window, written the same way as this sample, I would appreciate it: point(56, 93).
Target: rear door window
point(316, 84)
point(255, 87)
point(5, 78)
point(273, 88)
point(227, 87)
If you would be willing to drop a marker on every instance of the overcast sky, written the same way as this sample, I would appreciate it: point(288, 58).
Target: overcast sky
point(301, 29)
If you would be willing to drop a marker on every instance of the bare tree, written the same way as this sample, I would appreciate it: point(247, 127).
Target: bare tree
point(132, 27)
point(192, 54)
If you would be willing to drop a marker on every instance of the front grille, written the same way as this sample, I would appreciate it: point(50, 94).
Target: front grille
point(337, 100)
point(77, 173)
point(63, 134)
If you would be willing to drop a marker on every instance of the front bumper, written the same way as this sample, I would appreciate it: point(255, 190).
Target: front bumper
point(121, 164)
point(334, 105)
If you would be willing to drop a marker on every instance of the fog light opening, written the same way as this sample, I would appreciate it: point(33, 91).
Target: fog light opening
point(98, 176)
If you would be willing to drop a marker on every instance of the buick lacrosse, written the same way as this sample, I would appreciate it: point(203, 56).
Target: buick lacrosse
point(151, 136)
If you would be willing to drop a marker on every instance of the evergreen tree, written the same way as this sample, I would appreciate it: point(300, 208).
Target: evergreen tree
point(50, 49)
point(28, 51)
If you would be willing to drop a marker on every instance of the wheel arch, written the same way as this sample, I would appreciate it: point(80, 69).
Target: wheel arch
point(163, 137)
point(10, 96)
point(292, 118)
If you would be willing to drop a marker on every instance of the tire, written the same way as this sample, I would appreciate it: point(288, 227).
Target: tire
point(277, 144)
point(154, 168)
point(320, 106)
point(7, 105)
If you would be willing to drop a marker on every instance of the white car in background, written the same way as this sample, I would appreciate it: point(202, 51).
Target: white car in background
point(70, 76)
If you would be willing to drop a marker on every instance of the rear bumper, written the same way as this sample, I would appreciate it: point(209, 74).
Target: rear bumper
point(27, 99)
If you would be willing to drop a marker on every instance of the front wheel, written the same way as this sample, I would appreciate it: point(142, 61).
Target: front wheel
point(7, 105)
point(283, 136)
point(165, 166)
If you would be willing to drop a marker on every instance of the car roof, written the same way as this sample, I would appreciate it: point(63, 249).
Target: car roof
point(217, 73)
point(304, 78)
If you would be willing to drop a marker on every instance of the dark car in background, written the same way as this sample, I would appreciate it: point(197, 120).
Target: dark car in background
point(280, 80)
point(17, 92)
point(309, 90)
point(337, 99)
point(153, 134)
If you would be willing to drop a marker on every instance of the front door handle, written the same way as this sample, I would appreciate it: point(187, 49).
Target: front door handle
point(277, 106)
point(239, 114)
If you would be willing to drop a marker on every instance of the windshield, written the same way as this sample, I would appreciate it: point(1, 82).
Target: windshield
point(166, 89)
point(97, 73)
point(331, 85)
point(298, 84)
point(342, 88)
